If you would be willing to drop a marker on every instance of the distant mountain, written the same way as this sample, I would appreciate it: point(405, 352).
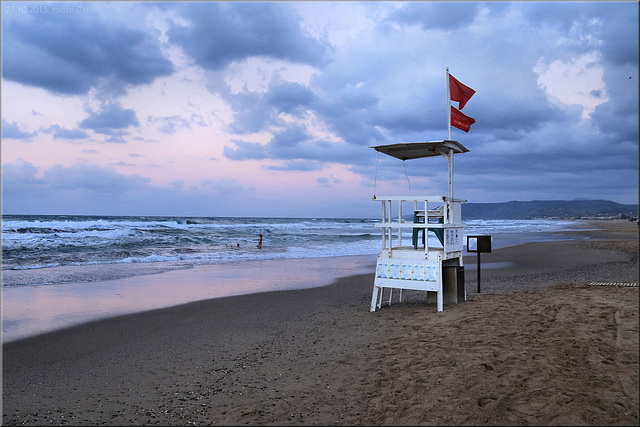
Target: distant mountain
point(562, 209)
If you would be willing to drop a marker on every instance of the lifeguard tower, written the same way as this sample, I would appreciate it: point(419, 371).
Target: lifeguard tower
point(411, 261)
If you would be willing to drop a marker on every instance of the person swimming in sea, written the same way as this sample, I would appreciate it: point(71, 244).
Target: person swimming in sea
point(260, 242)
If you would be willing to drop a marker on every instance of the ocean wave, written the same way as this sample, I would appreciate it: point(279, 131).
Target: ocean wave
point(37, 242)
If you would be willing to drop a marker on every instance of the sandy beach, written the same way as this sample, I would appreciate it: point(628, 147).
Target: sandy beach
point(539, 345)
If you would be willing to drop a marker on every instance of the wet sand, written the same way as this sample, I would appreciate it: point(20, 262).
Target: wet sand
point(28, 311)
point(539, 345)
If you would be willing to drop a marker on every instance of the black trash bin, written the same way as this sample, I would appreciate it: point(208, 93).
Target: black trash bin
point(453, 284)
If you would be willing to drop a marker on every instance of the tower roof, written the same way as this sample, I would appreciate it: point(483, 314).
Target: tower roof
point(416, 150)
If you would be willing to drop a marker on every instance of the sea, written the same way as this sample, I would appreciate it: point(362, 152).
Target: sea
point(59, 271)
point(41, 242)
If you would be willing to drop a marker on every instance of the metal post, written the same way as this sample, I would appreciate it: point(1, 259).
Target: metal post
point(448, 104)
point(450, 158)
point(399, 224)
point(382, 229)
point(478, 272)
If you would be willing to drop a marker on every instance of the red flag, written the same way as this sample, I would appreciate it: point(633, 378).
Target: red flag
point(459, 92)
point(461, 121)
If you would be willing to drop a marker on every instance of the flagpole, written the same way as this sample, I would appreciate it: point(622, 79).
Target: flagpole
point(448, 104)
point(450, 156)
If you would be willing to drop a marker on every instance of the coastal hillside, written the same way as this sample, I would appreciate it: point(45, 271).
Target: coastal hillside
point(564, 209)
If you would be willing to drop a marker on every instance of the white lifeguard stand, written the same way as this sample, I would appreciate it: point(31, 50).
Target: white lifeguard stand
point(421, 265)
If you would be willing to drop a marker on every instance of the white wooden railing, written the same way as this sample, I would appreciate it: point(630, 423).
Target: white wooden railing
point(447, 211)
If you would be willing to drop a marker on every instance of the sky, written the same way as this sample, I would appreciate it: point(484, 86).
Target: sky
point(270, 108)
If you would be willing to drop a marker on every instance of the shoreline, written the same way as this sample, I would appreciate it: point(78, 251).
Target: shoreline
point(27, 310)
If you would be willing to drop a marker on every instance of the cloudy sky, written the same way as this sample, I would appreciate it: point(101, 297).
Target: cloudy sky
point(269, 108)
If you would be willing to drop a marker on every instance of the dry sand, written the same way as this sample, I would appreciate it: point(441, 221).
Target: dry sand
point(539, 345)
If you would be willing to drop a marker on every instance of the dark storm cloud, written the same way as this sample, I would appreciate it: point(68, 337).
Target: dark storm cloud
point(559, 158)
point(289, 97)
point(290, 137)
point(351, 112)
point(73, 53)
point(297, 149)
point(416, 113)
point(373, 92)
point(619, 46)
point(513, 116)
point(383, 81)
point(619, 116)
point(285, 144)
point(220, 33)
point(430, 15)
point(252, 113)
point(503, 102)
point(344, 112)
point(612, 30)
